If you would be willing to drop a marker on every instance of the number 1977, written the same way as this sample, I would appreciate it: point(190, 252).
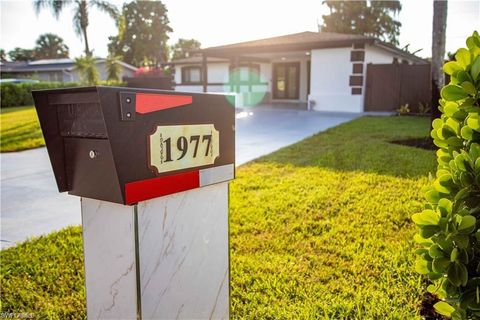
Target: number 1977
point(183, 143)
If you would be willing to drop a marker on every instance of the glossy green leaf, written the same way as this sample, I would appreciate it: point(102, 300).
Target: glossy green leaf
point(426, 218)
point(453, 93)
point(440, 264)
point(422, 241)
point(428, 231)
point(451, 108)
point(453, 124)
point(421, 266)
point(437, 123)
point(454, 255)
point(445, 206)
point(466, 133)
point(461, 240)
point(457, 274)
point(470, 43)
point(473, 122)
point(444, 308)
point(467, 225)
point(463, 76)
point(474, 151)
point(475, 69)
point(462, 194)
point(432, 196)
point(435, 251)
point(469, 88)
point(452, 66)
point(460, 162)
point(463, 57)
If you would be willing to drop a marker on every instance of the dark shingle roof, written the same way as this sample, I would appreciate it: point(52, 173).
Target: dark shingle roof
point(302, 41)
point(306, 37)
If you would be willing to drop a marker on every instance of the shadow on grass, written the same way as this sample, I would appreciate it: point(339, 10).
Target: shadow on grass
point(364, 145)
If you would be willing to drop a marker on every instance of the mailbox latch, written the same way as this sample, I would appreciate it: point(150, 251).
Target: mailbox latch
point(127, 106)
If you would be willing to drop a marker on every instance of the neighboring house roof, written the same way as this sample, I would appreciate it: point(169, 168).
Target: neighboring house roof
point(301, 41)
point(48, 65)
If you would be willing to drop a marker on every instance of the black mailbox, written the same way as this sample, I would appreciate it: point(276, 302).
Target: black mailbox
point(127, 145)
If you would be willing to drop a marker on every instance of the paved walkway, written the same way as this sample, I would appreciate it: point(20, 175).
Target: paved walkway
point(32, 206)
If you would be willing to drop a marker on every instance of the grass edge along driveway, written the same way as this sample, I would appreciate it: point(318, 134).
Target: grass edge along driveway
point(319, 230)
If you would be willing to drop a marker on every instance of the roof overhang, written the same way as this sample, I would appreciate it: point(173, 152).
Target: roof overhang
point(229, 52)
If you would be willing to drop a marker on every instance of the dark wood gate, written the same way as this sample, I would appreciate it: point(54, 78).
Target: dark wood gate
point(391, 85)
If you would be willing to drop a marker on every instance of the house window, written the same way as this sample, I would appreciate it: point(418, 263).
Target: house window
point(245, 73)
point(357, 56)
point(358, 68)
point(356, 80)
point(191, 75)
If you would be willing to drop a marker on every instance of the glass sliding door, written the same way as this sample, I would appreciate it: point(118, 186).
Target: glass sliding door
point(286, 80)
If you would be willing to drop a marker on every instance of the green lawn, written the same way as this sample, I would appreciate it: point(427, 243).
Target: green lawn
point(319, 230)
point(19, 129)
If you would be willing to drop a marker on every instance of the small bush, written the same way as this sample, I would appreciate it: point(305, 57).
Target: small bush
point(449, 226)
point(404, 109)
point(21, 94)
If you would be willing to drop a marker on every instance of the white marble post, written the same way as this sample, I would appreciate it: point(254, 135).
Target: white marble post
point(165, 258)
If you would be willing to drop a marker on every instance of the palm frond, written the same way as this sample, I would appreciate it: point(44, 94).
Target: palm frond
point(77, 22)
point(106, 7)
point(55, 6)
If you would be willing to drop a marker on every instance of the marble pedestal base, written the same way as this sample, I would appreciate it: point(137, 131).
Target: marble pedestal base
point(165, 258)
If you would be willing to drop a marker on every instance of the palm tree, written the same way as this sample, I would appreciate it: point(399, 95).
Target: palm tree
point(50, 46)
point(80, 16)
point(113, 68)
point(87, 70)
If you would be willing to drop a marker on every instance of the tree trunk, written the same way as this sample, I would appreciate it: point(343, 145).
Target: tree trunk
point(438, 53)
point(87, 49)
point(84, 24)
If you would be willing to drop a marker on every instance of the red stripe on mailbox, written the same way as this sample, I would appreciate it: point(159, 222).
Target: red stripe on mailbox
point(152, 188)
point(149, 102)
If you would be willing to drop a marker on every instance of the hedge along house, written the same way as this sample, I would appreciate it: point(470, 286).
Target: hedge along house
point(324, 71)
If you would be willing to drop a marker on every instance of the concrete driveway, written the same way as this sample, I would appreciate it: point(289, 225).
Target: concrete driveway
point(32, 206)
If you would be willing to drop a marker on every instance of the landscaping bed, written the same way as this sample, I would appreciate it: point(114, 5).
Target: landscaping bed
point(320, 229)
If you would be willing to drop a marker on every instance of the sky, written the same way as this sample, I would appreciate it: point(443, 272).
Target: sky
point(218, 22)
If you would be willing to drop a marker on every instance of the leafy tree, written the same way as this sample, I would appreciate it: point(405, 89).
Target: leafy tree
point(113, 68)
point(3, 55)
point(142, 37)
point(80, 10)
point(370, 18)
point(183, 47)
point(87, 70)
point(20, 54)
point(50, 46)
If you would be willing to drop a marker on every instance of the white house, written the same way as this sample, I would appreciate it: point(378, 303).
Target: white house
point(324, 70)
point(58, 70)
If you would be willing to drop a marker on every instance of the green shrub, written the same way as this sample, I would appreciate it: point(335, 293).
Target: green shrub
point(449, 226)
point(14, 95)
point(19, 94)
